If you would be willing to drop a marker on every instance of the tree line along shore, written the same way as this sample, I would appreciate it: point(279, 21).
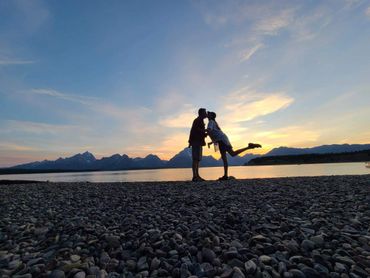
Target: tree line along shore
point(360, 156)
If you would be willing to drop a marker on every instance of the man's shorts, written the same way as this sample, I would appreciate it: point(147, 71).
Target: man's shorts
point(197, 152)
point(224, 148)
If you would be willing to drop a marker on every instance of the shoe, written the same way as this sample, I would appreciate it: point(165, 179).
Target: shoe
point(197, 179)
point(224, 178)
point(253, 146)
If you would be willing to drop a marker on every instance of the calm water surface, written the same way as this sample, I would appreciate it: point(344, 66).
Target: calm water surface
point(209, 173)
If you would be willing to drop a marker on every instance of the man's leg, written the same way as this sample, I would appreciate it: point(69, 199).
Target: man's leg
point(199, 159)
point(195, 167)
point(197, 156)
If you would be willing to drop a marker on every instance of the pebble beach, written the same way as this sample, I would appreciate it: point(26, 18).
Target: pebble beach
point(281, 227)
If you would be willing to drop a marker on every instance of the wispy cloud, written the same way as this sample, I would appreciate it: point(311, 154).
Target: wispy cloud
point(270, 25)
point(181, 120)
point(352, 3)
point(236, 107)
point(7, 62)
point(38, 139)
point(289, 135)
point(96, 104)
point(250, 106)
point(367, 12)
point(250, 52)
point(292, 136)
point(15, 147)
point(86, 100)
point(172, 144)
point(39, 127)
point(34, 14)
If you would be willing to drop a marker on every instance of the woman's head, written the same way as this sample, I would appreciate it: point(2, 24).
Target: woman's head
point(211, 115)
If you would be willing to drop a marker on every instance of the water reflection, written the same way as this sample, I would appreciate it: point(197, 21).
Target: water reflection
point(210, 173)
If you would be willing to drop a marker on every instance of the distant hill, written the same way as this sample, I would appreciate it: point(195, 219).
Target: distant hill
point(183, 160)
point(335, 148)
point(79, 161)
point(87, 162)
point(358, 156)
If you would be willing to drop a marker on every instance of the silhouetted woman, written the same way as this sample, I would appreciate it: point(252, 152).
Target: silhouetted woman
point(220, 139)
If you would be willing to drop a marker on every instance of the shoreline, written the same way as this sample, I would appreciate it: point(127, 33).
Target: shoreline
point(11, 171)
point(275, 227)
point(9, 182)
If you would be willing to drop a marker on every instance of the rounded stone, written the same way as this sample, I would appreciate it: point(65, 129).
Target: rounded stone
point(56, 273)
point(75, 258)
point(154, 264)
point(80, 274)
point(297, 273)
point(318, 240)
point(340, 268)
point(208, 255)
point(310, 272)
point(308, 245)
point(250, 267)
point(131, 265)
point(113, 241)
point(237, 273)
point(265, 259)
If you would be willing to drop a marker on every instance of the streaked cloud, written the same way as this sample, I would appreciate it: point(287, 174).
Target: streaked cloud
point(69, 97)
point(181, 120)
point(8, 62)
point(99, 105)
point(270, 25)
point(290, 136)
point(350, 4)
point(244, 104)
point(11, 157)
point(171, 144)
point(250, 52)
point(16, 147)
point(250, 106)
point(33, 14)
point(40, 128)
point(367, 12)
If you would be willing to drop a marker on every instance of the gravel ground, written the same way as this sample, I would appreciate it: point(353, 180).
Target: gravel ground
point(285, 227)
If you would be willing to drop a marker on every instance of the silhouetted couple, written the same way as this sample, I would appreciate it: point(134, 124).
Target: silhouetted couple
point(198, 134)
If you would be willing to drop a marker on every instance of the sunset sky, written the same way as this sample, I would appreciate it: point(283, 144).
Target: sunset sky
point(129, 76)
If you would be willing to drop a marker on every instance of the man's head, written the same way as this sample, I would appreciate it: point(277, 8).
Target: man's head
point(211, 115)
point(202, 113)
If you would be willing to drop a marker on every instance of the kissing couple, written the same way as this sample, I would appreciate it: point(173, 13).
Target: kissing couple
point(198, 133)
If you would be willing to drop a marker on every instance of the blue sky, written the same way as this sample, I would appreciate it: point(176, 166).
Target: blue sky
point(129, 76)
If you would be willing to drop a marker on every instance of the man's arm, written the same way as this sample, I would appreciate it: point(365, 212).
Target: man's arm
point(200, 127)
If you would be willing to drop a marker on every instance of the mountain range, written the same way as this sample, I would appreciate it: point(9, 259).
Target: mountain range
point(335, 148)
point(87, 161)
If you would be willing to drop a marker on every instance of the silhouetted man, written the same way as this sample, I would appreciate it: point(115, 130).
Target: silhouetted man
point(197, 141)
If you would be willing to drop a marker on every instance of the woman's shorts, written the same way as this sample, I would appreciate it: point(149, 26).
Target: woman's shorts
point(224, 148)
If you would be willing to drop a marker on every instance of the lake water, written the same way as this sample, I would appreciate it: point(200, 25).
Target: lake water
point(209, 173)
